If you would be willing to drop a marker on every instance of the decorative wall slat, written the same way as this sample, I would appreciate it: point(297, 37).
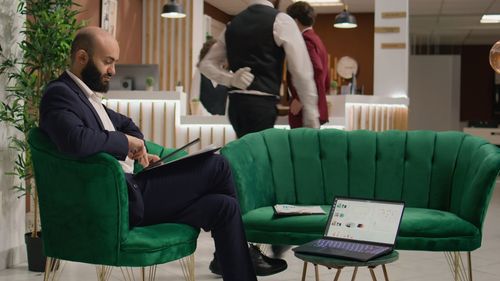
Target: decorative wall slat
point(376, 117)
point(167, 42)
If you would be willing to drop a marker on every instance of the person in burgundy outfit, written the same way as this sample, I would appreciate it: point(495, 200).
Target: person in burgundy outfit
point(304, 16)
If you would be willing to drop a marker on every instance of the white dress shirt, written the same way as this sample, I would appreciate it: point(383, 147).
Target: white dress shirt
point(96, 101)
point(288, 36)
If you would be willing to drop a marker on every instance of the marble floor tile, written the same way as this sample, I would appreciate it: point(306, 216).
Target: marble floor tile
point(411, 266)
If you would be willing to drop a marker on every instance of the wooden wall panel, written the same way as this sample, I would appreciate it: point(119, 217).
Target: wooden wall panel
point(167, 42)
point(129, 25)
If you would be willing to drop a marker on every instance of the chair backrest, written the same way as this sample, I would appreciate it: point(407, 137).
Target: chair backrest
point(87, 198)
point(437, 170)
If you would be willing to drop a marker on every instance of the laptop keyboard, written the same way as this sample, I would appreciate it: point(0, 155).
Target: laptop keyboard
point(350, 246)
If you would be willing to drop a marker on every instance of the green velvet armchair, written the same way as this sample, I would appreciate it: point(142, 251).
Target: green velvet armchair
point(445, 178)
point(84, 215)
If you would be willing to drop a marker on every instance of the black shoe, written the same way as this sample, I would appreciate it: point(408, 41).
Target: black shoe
point(279, 250)
point(214, 266)
point(264, 265)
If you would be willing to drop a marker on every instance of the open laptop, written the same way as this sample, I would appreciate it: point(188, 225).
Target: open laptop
point(358, 229)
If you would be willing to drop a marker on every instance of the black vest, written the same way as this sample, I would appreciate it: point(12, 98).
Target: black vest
point(250, 42)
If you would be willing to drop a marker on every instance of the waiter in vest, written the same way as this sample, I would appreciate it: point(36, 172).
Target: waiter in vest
point(255, 44)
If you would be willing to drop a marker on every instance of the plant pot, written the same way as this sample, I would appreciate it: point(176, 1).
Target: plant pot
point(34, 249)
point(195, 108)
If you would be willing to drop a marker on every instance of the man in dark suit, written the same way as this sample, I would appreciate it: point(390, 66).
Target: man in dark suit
point(304, 16)
point(72, 115)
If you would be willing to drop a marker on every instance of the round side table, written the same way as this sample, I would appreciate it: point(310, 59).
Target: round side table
point(339, 264)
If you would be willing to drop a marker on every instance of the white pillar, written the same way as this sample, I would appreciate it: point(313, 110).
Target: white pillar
point(391, 64)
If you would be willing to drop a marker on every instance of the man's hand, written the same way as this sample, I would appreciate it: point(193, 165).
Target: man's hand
point(295, 106)
point(242, 78)
point(152, 159)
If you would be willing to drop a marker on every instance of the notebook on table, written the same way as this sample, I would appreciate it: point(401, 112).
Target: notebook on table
point(358, 229)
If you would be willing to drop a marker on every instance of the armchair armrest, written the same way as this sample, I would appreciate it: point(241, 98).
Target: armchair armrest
point(251, 171)
point(473, 188)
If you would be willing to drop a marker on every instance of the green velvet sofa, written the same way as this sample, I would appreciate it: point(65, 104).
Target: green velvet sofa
point(445, 178)
point(84, 212)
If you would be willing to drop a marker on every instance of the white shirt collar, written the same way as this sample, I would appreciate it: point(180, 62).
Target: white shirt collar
point(307, 28)
point(260, 2)
point(86, 90)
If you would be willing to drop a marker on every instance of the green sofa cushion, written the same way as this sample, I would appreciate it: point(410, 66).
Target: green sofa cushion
point(153, 238)
point(419, 222)
point(444, 229)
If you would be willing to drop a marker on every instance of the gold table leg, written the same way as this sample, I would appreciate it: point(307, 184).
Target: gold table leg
point(316, 272)
point(354, 273)
point(372, 273)
point(304, 270)
point(384, 269)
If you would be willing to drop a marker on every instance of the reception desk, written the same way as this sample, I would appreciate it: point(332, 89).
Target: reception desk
point(161, 115)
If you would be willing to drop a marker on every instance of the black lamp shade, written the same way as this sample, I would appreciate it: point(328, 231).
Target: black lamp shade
point(345, 20)
point(173, 10)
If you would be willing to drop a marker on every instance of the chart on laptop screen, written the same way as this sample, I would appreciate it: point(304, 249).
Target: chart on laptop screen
point(365, 220)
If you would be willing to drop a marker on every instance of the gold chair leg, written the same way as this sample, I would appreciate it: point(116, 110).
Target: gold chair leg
point(53, 269)
point(187, 265)
point(147, 273)
point(304, 271)
point(457, 267)
point(103, 272)
point(469, 258)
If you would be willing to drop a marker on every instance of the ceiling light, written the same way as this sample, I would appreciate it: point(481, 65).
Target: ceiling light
point(173, 10)
point(490, 19)
point(345, 20)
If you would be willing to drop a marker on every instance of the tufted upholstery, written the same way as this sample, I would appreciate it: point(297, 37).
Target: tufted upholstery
point(445, 178)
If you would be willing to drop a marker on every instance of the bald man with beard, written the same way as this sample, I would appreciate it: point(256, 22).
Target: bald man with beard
point(73, 117)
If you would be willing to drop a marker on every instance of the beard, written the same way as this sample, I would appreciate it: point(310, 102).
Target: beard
point(92, 77)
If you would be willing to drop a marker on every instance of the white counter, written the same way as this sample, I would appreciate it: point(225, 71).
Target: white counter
point(161, 115)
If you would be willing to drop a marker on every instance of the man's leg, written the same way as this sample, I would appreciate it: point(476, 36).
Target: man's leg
point(251, 113)
point(200, 192)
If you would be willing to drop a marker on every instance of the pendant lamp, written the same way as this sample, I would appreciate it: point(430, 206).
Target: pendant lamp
point(173, 10)
point(345, 20)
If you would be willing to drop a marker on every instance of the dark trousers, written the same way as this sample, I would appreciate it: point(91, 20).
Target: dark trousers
point(200, 192)
point(251, 113)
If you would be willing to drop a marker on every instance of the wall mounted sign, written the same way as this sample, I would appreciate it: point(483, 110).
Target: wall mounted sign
point(393, 15)
point(387, 29)
point(109, 14)
point(393, 45)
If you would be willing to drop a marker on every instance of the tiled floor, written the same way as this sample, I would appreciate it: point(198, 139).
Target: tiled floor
point(411, 266)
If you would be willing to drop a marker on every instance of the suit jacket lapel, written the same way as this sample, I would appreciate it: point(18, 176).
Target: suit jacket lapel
point(69, 81)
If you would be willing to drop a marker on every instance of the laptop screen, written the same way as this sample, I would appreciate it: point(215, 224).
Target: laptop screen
point(365, 220)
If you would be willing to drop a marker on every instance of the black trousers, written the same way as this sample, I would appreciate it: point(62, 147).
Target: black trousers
point(200, 192)
point(251, 113)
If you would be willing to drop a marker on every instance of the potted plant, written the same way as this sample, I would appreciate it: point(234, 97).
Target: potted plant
point(333, 87)
point(150, 82)
point(48, 31)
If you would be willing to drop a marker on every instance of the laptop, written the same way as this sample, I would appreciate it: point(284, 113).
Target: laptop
point(358, 229)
